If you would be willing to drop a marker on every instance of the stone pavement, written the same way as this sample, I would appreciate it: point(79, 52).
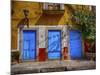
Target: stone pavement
point(52, 66)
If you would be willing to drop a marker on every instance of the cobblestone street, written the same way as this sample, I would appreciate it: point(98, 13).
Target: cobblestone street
point(52, 66)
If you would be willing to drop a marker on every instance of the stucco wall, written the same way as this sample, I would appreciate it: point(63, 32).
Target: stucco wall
point(35, 12)
point(42, 40)
point(37, 17)
point(18, 7)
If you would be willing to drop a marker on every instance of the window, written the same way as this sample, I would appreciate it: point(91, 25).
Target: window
point(53, 6)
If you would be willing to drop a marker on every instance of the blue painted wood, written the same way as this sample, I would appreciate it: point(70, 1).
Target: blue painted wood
point(75, 44)
point(29, 45)
point(54, 44)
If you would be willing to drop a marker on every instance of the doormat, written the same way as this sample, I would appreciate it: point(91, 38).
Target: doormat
point(52, 37)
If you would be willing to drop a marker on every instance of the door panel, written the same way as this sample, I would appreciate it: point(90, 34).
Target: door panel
point(75, 44)
point(54, 55)
point(54, 44)
point(29, 45)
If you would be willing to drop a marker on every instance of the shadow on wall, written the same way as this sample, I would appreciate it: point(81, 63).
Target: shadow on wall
point(49, 19)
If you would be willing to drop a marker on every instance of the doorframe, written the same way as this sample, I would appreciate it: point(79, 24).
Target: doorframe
point(60, 42)
point(21, 42)
point(54, 28)
point(83, 51)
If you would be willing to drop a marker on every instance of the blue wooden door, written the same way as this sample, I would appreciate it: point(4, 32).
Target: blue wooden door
point(75, 44)
point(54, 44)
point(29, 45)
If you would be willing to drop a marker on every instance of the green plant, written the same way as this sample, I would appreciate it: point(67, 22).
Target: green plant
point(15, 56)
point(87, 22)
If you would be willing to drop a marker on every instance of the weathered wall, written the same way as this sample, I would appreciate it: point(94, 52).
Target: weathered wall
point(35, 12)
point(37, 17)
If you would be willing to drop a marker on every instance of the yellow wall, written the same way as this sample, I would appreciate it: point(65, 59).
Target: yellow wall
point(35, 12)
